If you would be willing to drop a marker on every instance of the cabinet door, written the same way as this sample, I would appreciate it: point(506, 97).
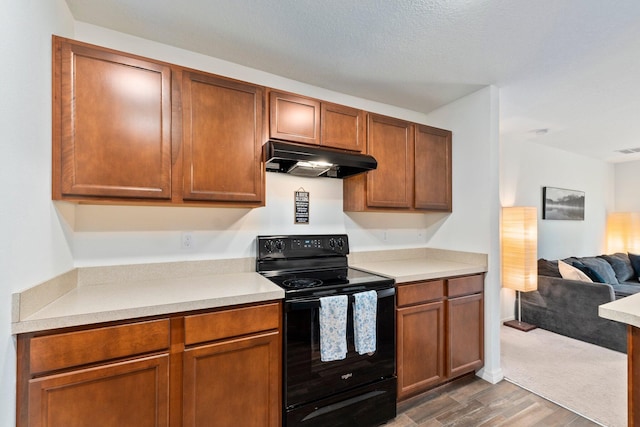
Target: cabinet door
point(342, 127)
point(131, 393)
point(633, 375)
point(466, 334)
point(112, 124)
point(294, 118)
point(420, 348)
point(222, 129)
point(233, 383)
point(432, 181)
point(390, 141)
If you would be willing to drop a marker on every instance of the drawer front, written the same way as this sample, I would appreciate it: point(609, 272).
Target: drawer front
point(229, 323)
point(70, 349)
point(465, 285)
point(416, 293)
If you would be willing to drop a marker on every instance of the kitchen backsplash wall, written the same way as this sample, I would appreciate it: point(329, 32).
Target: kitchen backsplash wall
point(108, 235)
point(105, 235)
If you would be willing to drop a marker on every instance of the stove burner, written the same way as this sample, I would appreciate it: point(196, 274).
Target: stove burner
point(300, 283)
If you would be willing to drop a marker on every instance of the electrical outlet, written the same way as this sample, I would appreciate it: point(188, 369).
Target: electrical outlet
point(186, 240)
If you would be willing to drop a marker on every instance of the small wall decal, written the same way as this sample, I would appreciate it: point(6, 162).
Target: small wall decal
point(301, 203)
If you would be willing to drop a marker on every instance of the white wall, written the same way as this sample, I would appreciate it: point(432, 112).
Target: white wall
point(526, 168)
point(33, 247)
point(473, 225)
point(627, 181)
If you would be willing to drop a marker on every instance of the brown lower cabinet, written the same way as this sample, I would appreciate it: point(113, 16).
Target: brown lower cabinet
point(633, 375)
point(130, 393)
point(440, 332)
point(215, 368)
point(217, 387)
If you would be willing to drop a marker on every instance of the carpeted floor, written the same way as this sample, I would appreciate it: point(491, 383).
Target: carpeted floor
point(582, 377)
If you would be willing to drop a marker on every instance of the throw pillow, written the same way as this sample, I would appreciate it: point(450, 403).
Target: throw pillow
point(548, 268)
point(602, 267)
point(621, 265)
point(570, 260)
point(592, 274)
point(635, 263)
point(570, 272)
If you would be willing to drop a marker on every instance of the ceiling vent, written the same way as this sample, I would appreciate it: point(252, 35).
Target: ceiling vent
point(629, 150)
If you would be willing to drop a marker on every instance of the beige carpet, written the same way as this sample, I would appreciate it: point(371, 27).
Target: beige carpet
point(585, 378)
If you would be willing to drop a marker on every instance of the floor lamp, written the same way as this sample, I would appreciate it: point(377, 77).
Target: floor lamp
point(519, 241)
point(623, 232)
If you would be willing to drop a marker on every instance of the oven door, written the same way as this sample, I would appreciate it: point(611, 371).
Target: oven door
point(307, 378)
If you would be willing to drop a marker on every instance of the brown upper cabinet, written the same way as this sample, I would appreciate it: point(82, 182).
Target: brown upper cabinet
point(342, 127)
point(222, 139)
point(131, 130)
point(414, 169)
point(310, 121)
point(111, 124)
point(294, 118)
point(390, 141)
point(432, 170)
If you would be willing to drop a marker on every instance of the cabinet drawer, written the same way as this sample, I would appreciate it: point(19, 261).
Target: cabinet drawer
point(70, 349)
point(416, 293)
point(465, 285)
point(229, 323)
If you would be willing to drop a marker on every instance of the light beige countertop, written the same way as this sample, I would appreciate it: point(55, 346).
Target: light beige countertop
point(416, 265)
point(83, 304)
point(93, 295)
point(412, 270)
point(625, 310)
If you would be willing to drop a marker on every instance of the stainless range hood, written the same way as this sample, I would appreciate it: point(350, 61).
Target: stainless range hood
point(307, 160)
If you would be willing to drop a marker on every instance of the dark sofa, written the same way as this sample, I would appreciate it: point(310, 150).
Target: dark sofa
point(570, 307)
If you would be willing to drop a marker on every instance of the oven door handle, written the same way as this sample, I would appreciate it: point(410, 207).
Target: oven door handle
point(309, 303)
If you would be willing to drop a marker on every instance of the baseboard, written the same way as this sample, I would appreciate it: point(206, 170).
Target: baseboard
point(494, 377)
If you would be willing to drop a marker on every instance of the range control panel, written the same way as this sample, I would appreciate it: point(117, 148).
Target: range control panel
point(302, 246)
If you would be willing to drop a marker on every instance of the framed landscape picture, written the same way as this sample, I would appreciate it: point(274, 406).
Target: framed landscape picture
point(558, 203)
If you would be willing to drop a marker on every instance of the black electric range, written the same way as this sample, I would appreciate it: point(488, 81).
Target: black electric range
point(357, 391)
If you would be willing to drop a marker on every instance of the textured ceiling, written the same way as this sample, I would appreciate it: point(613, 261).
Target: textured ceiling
point(569, 66)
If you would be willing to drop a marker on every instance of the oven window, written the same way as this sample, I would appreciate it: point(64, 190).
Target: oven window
point(308, 378)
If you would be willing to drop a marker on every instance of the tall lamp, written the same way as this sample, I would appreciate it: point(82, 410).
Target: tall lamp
point(519, 255)
point(623, 232)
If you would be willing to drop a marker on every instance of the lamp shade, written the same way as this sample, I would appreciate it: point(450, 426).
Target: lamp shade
point(520, 248)
point(623, 232)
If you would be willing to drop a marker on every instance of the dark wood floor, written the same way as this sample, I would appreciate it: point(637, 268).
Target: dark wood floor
point(472, 401)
